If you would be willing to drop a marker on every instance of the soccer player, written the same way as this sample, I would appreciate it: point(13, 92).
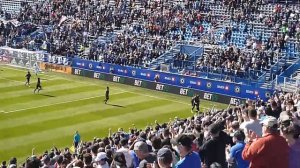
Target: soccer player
point(28, 76)
point(106, 95)
point(38, 86)
point(195, 103)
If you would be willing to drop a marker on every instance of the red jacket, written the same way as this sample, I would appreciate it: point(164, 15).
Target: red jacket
point(270, 151)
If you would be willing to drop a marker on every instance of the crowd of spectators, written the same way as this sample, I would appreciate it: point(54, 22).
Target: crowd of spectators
point(127, 49)
point(252, 134)
point(237, 62)
point(69, 27)
point(72, 22)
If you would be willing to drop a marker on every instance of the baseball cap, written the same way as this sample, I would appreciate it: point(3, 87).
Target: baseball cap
point(269, 121)
point(100, 156)
point(183, 140)
point(165, 153)
point(141, 146)
point(284, 116)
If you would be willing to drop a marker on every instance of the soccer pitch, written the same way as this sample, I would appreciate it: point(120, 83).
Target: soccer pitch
point(68, 103)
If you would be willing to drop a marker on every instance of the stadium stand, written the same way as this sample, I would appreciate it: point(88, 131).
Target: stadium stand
point(236, 41)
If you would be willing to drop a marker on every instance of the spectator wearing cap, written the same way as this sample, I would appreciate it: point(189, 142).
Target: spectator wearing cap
point(253, 124)
point(290, 132)
point(142, 152)
point(119, 161)
point(213, 150)
point(101, 160)
point(270, 151)
point(189, 158)
point(164, 158)
point(235, 155)
point(125, 150)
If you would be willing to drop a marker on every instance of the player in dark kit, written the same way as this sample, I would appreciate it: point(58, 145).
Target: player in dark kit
point(106, 95)
point(38, 86)
point(28, 76)
point(195, 103)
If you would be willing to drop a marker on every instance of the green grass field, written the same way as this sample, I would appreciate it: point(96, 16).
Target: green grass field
point(68, 103)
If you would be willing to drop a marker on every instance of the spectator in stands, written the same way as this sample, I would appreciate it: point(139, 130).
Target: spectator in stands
point(269, 151)
point(13, 163)
point(32, 162)
point(213, 150)
point(274, 108)
point(235, 154)
point(142, 152)
point(125, 150)
point(290, 131)
point(87, 160)
point(119, 161)
point(3, 164)
point(254, 124)
point(156, 144)
point(165, 158)
point(46, 161)
point(188, 158)
point(101, 160)
point(243, 118)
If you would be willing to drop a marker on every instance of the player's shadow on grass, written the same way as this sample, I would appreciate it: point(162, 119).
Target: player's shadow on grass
point(115, 105)
point(47, 95)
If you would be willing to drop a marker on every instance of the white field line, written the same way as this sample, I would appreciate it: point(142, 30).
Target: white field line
point(89, 83)
point(70, 101)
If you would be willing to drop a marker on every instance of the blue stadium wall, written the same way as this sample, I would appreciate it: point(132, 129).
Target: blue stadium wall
point(218, 91)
